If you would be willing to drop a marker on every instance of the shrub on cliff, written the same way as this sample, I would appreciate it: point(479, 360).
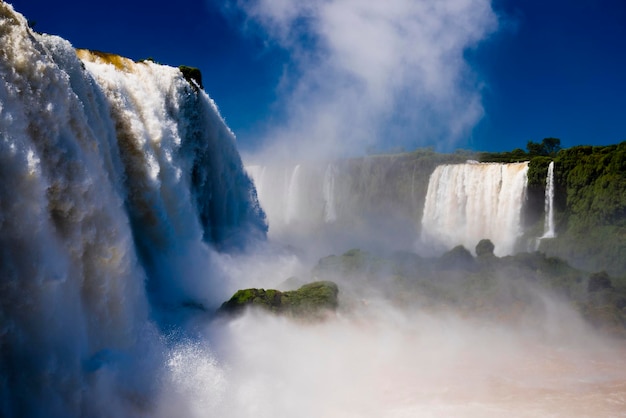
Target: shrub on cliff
point(192, 75)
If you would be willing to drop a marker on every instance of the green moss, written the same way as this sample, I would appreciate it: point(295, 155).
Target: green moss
point(312, 300)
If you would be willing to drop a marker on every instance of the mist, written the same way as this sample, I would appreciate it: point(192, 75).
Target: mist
point(366, 75)
point(127, 219)
point(377, 357)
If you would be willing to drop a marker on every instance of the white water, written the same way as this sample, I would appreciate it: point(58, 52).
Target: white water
point(297, 196)
point(116, 185)
point(549, 204)
point(293, 196)
point(330, 212)
point(469, 202)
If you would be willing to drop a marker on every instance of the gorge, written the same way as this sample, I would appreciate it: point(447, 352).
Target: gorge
point(127, 218)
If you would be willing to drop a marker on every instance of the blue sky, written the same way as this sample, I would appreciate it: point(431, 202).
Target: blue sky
point(470, 74)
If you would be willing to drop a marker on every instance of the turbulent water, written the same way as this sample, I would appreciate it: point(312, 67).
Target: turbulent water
point(468, 202)
point(126, 217)
point(118, 179)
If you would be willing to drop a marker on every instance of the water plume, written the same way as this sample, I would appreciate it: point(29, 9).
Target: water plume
point(126, 218)
point(362, 74)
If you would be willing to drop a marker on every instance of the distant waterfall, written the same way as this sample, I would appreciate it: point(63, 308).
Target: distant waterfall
point(330, 213)
point(549, 204)
point(468, 202)
point(292, 202)
point(295, 196)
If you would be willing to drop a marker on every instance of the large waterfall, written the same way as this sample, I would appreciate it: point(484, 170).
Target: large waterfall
point(468, 202)
point(118, 180)
point(127, 218)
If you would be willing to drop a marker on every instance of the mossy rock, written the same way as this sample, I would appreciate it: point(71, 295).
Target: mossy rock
point(313, 300)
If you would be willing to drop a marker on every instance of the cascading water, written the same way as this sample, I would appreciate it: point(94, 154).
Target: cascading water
point(549, 231)
point(118, 178)
point(292, 198)
point(468, 202)
point(330, 212)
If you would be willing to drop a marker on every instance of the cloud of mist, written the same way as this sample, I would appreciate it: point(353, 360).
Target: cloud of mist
point(379, 358)
point(373, 74)
point(380, 361)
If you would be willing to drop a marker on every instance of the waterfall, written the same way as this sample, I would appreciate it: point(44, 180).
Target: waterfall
point(330, 213)
point(295, 196)
point(468, 202)
point(292, 202)
point(118, 180)
point(549, 204)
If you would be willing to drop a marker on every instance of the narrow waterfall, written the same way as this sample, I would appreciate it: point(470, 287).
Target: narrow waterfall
point(330, 213)
point(468, 202)
point(292, 201)
point(549, 204)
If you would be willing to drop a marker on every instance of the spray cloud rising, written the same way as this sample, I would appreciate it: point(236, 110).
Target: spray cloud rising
point(119, 181)
point(363, 72)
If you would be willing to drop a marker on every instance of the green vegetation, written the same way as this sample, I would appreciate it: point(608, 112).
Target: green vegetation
point(590, 205)
point(514, 156)
point(594, 182)
point(192, 75)
point(591, 208)
point(537, 171)
point(311, 301)
point(549, 147)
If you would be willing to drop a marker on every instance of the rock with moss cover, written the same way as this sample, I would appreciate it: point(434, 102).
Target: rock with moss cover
point(313, 300)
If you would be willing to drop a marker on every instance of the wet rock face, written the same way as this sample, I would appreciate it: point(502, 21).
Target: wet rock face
point(313, 300)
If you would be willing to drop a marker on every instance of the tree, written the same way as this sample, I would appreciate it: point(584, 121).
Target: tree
point(551, 146)
point(547, 148)
point(535, 149)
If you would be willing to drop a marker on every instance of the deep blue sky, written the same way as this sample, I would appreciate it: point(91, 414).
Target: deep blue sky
point(552, 68)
